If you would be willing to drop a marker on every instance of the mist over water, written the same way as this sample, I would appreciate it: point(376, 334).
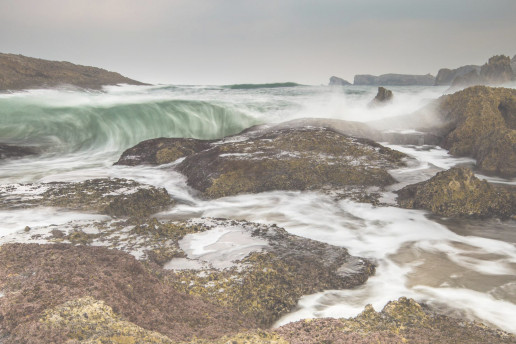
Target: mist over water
point(465, 268)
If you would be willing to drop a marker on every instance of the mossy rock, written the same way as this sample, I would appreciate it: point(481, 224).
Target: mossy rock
point(400, 321)
point(89, 321)
point(161, 151)
point(457, 192)
point(481, 123)
point(290, 159)
point(114, 197)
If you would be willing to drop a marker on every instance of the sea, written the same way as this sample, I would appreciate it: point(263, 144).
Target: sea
point(459, 267)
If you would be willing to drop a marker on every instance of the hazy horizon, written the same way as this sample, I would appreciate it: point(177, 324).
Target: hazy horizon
point(228, 41)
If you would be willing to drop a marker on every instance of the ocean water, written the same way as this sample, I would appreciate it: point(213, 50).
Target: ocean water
point(464, 268)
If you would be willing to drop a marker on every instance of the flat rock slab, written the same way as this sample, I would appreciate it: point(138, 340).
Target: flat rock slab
point(115, 197)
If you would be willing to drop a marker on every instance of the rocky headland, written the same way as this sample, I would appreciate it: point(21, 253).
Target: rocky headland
point(336, 81)
point(18, 72)
point(394, 80)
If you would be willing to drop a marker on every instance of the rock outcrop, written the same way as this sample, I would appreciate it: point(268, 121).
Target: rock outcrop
point(496, 71)
point(480, 122)
point(302, 158)
point(19, 72)
point(394, 80)
point(458, 193)
point(513, 66)
point(382, 97)
point(63, 293)
point(115, 197)
point(336, 81)
point(446, 76)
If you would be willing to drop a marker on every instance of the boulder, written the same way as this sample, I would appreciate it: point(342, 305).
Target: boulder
point(382, 97)
point(308, 158)
point(19, 72)
point(480, 122)
point(114, 197)
point(446, 76)
point(458, 193)
point(336, 81)
point(394, 80)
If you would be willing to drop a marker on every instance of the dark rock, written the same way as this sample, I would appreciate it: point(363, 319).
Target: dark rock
point(458, 193)
point(289, 159)
point(446, 76)
point(401, 321)
point(19, 72)
point(10, 151)
point(62, 293)
point(383, 96)
point(161, 151)
point(335, 81)
point(394, 80)
point(480, 122)
point(497, 70)
point(115, 197)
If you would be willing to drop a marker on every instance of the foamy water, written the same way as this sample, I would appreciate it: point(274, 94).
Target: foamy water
point(460, 267)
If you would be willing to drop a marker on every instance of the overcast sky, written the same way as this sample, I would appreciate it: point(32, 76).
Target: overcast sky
point(236, 41)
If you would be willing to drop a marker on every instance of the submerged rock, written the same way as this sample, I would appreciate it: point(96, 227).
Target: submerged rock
point(58, 293)
point(115, 197)
point(480, 122)
point(383, 96)
point(457, 192)
point(335, 81)
point(10, 151)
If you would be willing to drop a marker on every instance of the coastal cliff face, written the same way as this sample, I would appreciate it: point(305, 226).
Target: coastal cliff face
point(336, 81)
point(394, 80)
point(498, 70)
point(446, 76)
point(19, 72)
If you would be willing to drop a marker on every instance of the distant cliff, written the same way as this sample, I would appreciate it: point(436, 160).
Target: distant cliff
point(446, 76)
point(336, 81)
point(19, 72)
point(394, 80)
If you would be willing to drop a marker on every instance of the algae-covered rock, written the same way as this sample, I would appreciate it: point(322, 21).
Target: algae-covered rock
point(115, 197)
point(43, 286)
point(480, 122)
point(401, 321)
point(90, 321)
point(457, 192)
point(306, 158)
point(161, 151)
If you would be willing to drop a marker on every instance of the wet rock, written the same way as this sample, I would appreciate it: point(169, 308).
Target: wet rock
point(480, 123)
point(47, 288)
point(257, 270)
point(289, 159)
point(401, 321)
point(19, 72)
point(10, 151)
point(161, 151)
point(446, 76)
point(335, 81)
point(115, 197)
point(457, 192)
point(383, 96)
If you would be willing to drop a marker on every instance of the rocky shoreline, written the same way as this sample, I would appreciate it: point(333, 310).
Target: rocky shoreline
point(131, 278)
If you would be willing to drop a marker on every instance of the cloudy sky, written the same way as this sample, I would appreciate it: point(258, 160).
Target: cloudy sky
point(236, 41)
